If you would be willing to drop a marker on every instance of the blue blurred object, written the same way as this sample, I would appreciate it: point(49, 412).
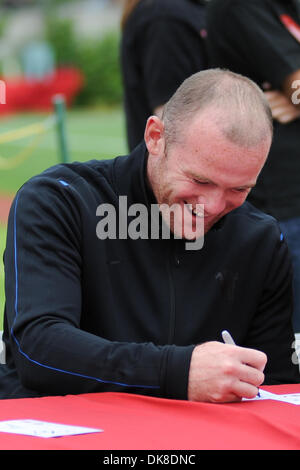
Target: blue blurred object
point(38, 60)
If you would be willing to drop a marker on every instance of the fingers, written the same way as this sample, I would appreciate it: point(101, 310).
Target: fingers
point(222, 372)
point(283, 110)
point(283, 116)
point(250, 375)
point(245, 390)
point(275, 97)
point(251, 357)
point(241, 380)
point(285, 113)
point(236, 383)
point(274, 94)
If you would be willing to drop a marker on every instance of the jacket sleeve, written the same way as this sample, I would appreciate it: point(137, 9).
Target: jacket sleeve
point(51, 353)
point(271, 329)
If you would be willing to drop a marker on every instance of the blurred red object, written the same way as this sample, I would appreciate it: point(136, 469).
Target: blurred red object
point(22, 94)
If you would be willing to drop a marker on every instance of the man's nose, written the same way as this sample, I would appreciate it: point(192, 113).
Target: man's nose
point(214, 202)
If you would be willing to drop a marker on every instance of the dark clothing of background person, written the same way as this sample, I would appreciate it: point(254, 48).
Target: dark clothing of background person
point(162, 44)
point(85, 314)
point(261, 39)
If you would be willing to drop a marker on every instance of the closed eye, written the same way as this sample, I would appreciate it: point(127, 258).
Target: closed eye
point(200, 182)
point(241, 190)
point(236, 190)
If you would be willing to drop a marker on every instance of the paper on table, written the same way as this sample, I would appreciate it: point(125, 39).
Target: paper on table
point(32, 427)
point(292, 398)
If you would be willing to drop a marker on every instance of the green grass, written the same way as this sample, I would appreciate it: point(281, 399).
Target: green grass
point(91, 133)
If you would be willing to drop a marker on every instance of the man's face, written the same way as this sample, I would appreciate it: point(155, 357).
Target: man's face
point(203, 168)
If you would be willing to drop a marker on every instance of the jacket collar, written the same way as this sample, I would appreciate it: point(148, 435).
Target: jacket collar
point(130, 177)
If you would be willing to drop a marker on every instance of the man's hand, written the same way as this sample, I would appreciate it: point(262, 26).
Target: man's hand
point(283, 110)
point(225, 373)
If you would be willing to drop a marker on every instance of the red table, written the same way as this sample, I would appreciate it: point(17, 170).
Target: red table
point(137, 422)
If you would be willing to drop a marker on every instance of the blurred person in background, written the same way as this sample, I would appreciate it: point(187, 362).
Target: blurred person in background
point(162, 44)
point(261, 39)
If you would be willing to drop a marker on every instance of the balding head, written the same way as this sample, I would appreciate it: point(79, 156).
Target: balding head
point(240, 108)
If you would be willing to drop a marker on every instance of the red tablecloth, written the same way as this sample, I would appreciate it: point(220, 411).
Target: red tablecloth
point(137, 422)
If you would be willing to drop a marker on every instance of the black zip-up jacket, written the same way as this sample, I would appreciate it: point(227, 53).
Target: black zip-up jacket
point(87, 315)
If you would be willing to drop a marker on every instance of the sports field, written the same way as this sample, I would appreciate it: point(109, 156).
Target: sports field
point(91, 133)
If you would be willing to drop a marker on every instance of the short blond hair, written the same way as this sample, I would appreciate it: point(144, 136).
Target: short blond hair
point(246, 115)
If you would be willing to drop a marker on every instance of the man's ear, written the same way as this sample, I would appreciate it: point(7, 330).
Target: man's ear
point(154, 135)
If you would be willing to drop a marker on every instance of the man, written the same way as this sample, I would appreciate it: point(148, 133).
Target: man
point(261, 40)
point(91, 309)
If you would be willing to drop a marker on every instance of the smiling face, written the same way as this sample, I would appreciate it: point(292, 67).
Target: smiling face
point(202, 167)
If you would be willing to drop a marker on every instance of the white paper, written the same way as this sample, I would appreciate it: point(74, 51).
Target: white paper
point(292, 398)
point(32, 427)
